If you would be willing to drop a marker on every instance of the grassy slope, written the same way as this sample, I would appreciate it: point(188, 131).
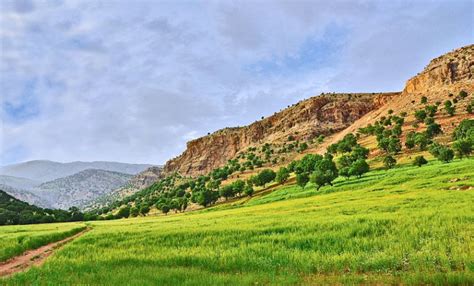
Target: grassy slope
point(16, 239)
point(402, 225)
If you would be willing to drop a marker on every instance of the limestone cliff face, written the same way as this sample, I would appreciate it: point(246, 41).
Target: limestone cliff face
point(454, 68)
point(324, 114)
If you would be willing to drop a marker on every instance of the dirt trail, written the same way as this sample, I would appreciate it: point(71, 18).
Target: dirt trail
point(34, 257)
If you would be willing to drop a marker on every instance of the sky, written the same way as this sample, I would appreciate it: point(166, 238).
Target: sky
point(133, 81)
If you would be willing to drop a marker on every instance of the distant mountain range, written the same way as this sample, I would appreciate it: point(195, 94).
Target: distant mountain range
point(62, 185)
point(43, 170)
point(78, 189)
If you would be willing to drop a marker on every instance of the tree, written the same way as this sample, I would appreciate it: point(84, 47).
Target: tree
point(431, 110)
point(303, 146)
point(394, 145)
point(264, 177)
point(420, 115)
point(302, 179)
point(424, 99)
point(226, 192)
point(463, 148)
point(446, 154)
point(469, 108)
point(463, 94)
point(144, 209)
point(358, 168)
point(410, 140)
point(433, 129)
point(238, 187)
point(248, 190)
point(422, 141)
point(134, 212)
point(420, 161)
point(124, 212)
point(465, 130)
point(282, 175)
point(165, 209)
point(389, 162)
point(325, 173)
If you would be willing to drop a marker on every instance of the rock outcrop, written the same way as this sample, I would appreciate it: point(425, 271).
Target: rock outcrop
point(324, 114)
point(456, 67)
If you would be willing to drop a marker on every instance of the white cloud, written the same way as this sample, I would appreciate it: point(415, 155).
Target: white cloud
point(132, 81)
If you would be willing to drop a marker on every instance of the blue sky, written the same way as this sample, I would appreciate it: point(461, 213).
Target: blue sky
point(132, 81)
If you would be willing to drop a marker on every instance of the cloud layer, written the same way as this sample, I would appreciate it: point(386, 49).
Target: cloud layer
point(134, 80)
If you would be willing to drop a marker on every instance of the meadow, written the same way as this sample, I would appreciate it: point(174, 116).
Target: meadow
point(407, 225)
point(16, 239)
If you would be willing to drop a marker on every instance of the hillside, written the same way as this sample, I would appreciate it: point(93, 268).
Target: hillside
point(241, 154)
point(14, 211)
point(135, 184)
point(43, 171)
point(81, 188)
point(320, 115)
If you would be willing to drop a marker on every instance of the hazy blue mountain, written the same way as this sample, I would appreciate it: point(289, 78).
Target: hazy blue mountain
point(18, 183)
point(81, 188)
point(43, 170)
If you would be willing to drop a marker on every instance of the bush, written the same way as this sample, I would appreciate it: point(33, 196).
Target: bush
point(389, 162)
point(463, 148)
point(462, 94)
point(446, 154)
point(282, 175)
point(358, 168)
point(302, 179)
point(420, 115)
point(420, 161)
point(424, 99)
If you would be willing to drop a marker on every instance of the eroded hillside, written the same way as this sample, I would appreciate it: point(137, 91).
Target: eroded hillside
point(325, 114)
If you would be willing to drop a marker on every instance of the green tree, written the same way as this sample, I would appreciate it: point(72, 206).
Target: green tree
point(358, 168)
point(463, 148)
point(165, 209)
point(325, 173)
point(226, 192)
point(264, 177)
point(302, 179)
point(134, 212)
point(446, 154)
point(248, 190)
point(463, 94)
point(420, 161)
point(424, 99)
point(282, 175)
point(420, 115)
point(389, 162)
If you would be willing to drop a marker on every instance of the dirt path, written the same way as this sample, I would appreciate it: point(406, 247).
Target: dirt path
point(34, 257)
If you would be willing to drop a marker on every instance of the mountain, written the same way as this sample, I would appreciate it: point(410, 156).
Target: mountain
point(43, 171)
point(320, 115)
point(135, 184)
point(24, 195)
point(81, 188)
point(14, 211)
point(18, 183)
point(333, 115)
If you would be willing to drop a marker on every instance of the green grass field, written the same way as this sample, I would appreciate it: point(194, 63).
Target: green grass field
point(409, 225)
point(16, 239)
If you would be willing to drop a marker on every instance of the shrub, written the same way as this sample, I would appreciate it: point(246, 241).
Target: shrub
point(463, 148)
point(420, 161)
point(433, 129)
point(420, 115)
point(282, 175)
point(465, 130)
point(302, 179)
point(424, 99)
point(389, 162)
point(358, 168)
point(462, 94)
point(446, 154)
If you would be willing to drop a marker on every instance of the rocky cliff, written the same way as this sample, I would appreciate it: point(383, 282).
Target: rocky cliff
point(324, 114)
point(454, 68)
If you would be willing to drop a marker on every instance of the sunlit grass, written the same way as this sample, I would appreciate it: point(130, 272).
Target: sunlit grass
point(16, 239)
point(408, 225)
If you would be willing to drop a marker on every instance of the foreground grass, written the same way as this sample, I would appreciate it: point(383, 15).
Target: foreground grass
point(15, 240)
point(408, 225)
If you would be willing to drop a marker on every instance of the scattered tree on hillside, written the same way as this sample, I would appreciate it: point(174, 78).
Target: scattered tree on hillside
point(302, 179)
point(282, 175)
point(420, 161)
point(389, 162)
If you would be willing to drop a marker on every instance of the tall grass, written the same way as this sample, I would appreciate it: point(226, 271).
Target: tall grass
point(15, 240)
point(408, 225)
